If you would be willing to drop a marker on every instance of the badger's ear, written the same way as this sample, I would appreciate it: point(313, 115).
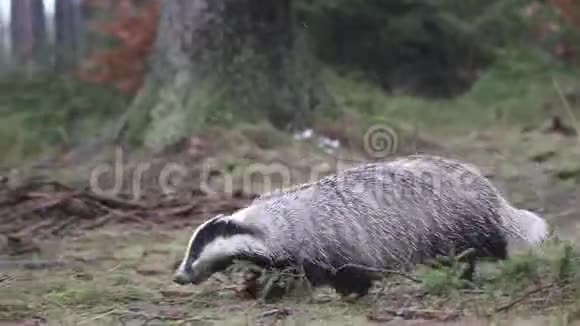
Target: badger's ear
point(229, 227)
point(217, 217)
point(214, 219)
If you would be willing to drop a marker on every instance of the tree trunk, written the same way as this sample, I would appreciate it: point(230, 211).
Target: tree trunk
point(224, 59)
point(68, 29)
point(4, 43)
point(39, 25)
point(28, 32)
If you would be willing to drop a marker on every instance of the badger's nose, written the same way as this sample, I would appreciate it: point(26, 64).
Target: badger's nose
point(181, 278)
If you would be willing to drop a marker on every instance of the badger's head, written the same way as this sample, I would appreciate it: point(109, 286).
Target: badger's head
point(215, 245)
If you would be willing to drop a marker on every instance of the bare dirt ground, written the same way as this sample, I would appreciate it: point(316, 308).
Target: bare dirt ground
point(73, 257)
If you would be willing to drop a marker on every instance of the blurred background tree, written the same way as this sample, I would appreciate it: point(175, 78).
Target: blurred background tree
point(69, 28)
point(222, 60)
point(184, 65)
point(28, 32)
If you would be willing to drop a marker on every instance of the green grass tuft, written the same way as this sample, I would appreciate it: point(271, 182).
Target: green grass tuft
point(83, 295)
point(46, 114)
point(515, 90)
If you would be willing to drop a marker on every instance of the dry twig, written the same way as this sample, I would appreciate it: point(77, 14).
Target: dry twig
point(567, 107)
point(379, 270)
point(46, 208)
point(518, 300)
point(30, 264)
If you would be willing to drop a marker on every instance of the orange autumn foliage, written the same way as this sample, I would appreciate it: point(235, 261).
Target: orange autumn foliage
point(569, 12)
point(134, 28)
point(569, 9)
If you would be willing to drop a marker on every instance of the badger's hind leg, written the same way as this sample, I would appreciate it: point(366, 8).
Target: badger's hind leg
point(467, 272)
point(346, 281)
point(492, 252)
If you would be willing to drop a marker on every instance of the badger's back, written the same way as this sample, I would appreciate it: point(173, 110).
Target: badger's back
point(385, 215)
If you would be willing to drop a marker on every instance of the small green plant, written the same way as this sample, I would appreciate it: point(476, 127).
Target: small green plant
point(565, 266)
point(521, 269)
point(285, 283)
point(264, 135)
point(554, 266)
point(93, 296)
point(515, 90)
point(441, 281)
point(44, 115)
point(443, 276)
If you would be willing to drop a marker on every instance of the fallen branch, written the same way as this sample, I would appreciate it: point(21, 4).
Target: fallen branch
point(428, 314)
point(446, 260)
point(282, 312)
point(567, 106)
point(42, 209)
point(100, 221)
point(132, 316)
point(59, 226)
point(177, 210)
point(561, 214)
point(38, 226)
point(50, 203)
point(516, 301)
point(464, 254)
point(101, 316)
point(114, 202)
point(191, 320)
point(379, 270)
point(30, 264)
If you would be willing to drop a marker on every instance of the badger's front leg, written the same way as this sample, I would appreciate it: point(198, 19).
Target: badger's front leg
point(352, 280)
point(467, 272)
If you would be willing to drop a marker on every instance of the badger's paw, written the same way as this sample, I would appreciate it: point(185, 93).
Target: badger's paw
point(352, 282)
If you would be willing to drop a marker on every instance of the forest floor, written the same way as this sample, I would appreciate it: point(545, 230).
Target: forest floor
point(74, 257)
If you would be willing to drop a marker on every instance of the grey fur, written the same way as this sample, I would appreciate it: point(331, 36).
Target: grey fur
point(389, 215)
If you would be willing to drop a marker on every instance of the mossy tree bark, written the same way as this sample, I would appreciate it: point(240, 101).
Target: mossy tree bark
point(224, 59)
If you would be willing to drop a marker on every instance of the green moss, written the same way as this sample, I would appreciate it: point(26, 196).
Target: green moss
point(90, 295)
point(264, 135)
point(514, 91)
point(138, 117)
point(178, 110)
point(42, 115)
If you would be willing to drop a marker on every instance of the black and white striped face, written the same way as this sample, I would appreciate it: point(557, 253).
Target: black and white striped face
point(213, 247)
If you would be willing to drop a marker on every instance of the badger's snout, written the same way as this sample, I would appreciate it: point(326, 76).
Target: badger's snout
point(181, 278)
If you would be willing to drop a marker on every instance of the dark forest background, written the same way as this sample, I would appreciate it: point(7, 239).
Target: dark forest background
point(148, 73)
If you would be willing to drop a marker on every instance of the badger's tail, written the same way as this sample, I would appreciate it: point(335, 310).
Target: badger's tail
point(524, 229)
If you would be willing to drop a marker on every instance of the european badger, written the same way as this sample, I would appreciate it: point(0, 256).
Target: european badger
point(389, 215)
